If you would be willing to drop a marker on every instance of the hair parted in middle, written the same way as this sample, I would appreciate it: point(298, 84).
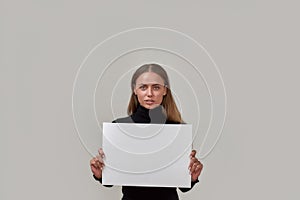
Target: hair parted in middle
point(168, 102)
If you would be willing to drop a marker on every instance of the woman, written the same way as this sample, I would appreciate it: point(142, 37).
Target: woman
point(151, 101)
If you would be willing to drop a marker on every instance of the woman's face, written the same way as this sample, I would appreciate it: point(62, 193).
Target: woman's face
point(150, 89)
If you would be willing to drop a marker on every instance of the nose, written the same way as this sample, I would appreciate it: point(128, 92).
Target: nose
point(149, 92)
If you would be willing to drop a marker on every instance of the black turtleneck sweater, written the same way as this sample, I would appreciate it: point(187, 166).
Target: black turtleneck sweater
point(155, 116)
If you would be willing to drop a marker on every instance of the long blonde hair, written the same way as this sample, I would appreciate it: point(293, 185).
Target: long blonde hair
point(168, 102)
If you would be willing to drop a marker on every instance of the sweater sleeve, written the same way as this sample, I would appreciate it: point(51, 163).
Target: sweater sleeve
point(100, 180)
point(188, 189)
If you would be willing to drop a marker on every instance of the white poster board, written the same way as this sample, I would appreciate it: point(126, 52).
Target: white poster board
point(147, 154)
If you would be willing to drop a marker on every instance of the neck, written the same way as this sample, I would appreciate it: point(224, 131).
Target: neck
point(145, 115)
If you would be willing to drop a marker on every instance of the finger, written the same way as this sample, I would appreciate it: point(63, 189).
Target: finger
point(193, 168)
point(101, 153)
point(192, 161)
point(197, 168)
point(93, 161)
point(200, 167)
point(99, 158)
point(94, 165)
point(100, 165)
point(193, 153)
point(100, 162)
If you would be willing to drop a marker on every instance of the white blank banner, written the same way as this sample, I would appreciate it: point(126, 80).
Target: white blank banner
point(147, 154)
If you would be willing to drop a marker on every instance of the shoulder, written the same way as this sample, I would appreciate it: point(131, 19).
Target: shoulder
point(123, 120)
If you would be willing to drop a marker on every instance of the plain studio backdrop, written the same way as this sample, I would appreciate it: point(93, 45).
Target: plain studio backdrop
point(254, 43)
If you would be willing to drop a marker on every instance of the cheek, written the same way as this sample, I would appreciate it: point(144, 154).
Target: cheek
point(160, 96)
point(140, 94)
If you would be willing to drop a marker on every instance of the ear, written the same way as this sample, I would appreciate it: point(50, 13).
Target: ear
point(165, 92)
point(134, 91)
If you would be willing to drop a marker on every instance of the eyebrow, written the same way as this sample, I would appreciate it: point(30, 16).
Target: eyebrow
point(155, 84)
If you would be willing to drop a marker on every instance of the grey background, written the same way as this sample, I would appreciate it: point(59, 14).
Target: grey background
point(254, 43)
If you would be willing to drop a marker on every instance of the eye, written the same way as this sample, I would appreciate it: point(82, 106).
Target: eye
point(156, 87)
point(143, 87)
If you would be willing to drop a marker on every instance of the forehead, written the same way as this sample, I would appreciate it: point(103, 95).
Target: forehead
point(149, 78)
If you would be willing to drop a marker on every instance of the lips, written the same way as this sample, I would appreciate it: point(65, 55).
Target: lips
point(149, 102)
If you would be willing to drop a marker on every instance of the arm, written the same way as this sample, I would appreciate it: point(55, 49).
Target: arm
point(195, 168)
point(97, 165)
point(188, 189)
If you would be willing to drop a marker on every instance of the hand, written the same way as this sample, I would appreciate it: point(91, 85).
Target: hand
point(195, 166)
point(97, 164)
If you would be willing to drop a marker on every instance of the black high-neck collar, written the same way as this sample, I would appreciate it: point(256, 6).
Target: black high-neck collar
point(144, 115)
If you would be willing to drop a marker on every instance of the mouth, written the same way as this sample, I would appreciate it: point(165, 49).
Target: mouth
point(149, 102)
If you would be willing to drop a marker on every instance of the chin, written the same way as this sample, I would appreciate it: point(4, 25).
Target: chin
point(151, 106)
